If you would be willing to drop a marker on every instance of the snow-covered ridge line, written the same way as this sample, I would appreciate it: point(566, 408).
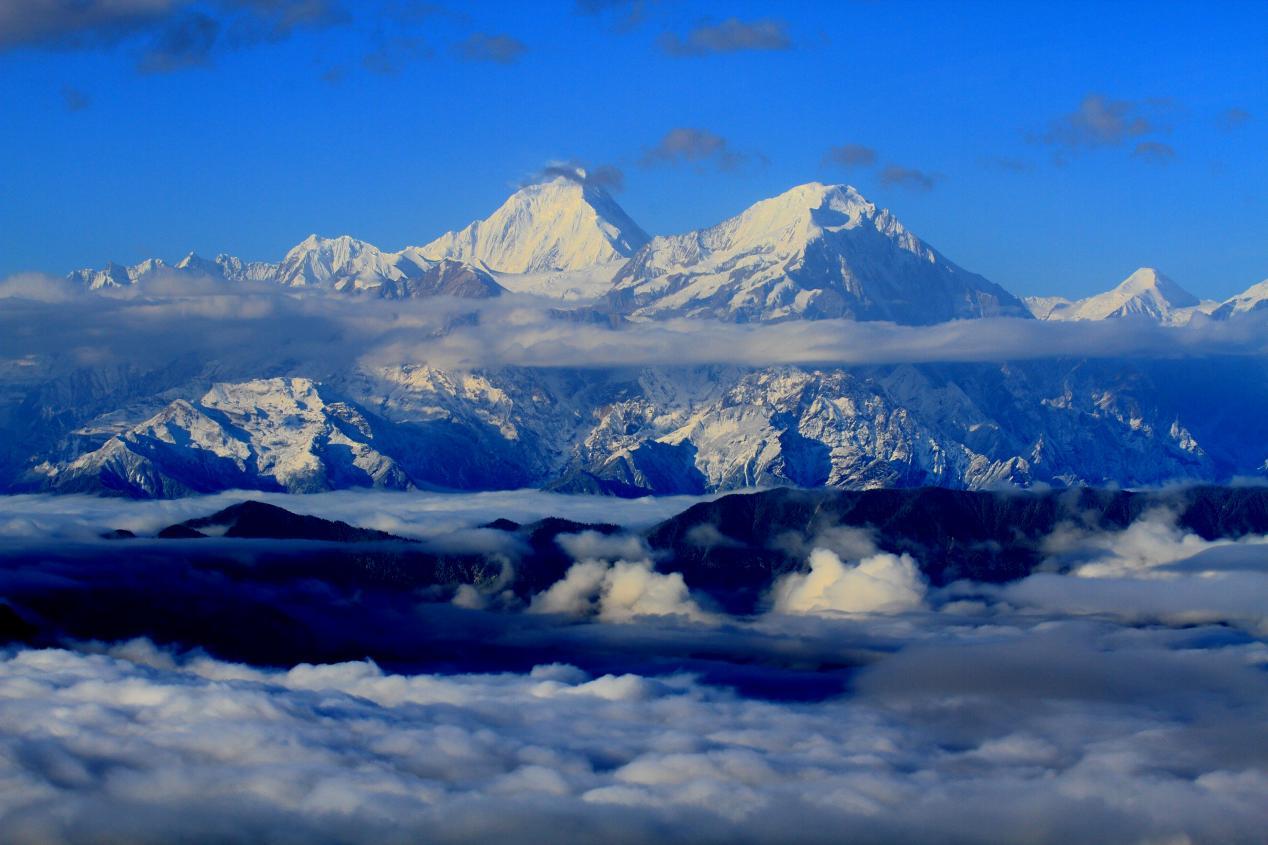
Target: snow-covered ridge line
point(563, 238)
point(1151, 295)
point(670, 430)
point(815, 251)
point(565, 224)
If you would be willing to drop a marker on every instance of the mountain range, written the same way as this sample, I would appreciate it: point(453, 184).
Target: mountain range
point(816, 251)
point(258, 420)
point(813, 252)
point(684, 429)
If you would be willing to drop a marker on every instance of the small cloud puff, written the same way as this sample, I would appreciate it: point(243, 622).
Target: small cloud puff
point(621, 591)
point(685, 144)
point(492, 47)
point(729, 36)
point(879, 583)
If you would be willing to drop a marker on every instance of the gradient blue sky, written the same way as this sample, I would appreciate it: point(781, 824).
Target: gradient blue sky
point(244, 125)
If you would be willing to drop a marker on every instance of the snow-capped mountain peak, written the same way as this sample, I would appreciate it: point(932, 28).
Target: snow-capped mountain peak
point(1149, 283)
point(117, 275)
point(278, 433)
point(1254, 298)
point(1147, 293)
point(342, 262)
point(813, 251)
point(111, 276)
point(788, 221)
point(563, 223)
point(195, 263)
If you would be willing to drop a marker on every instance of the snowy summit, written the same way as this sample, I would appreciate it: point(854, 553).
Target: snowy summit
point(565, 223)
point(816, 251)
point(1145, 294)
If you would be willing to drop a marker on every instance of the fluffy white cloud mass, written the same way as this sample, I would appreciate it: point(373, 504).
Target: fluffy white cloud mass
point(1141, 550)
point(619, 591)
point(136, 745)
point(1152, 571)
point(878, 583)
point(615, 581)
point(1041, 711)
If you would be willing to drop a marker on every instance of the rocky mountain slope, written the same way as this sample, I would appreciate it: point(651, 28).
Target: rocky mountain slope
point(724, 546)
point(275, 434)
point(683, 430)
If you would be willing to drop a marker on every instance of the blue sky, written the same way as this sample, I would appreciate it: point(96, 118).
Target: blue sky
point(1051, 147)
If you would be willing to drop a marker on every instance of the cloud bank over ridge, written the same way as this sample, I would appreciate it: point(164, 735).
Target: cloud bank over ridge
point(171, 317)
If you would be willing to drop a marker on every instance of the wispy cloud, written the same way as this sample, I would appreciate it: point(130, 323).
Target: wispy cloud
point(178, 318)
point(392, 53)
point(491, 47)
point(1098, 121)
point(685, 144)
point(627, 13)
point(170, 35)
point(74, 99)
point(729, 36)
point(857, 156)
point(851, 155)
point(277, 19)
point(1154, 152)
point(1102, 121)
point(184, 43)
point(909, 177)
point(604, 176)
point(1234, 118)
point(88, 23)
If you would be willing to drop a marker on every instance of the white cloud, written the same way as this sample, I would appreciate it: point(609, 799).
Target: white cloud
point(614, 580)
point(878, 583)
point(592, 545)
point(1140, 550)
point(167, 316)
point(619, 591)
point(1235, 598)
point(1153, 570)
point(142, 745)
point(576, 594)
point(411, 514)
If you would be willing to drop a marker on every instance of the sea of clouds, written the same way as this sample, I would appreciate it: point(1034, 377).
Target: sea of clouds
point(413, 514)
point(1054, 732)
point(1120, 695)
